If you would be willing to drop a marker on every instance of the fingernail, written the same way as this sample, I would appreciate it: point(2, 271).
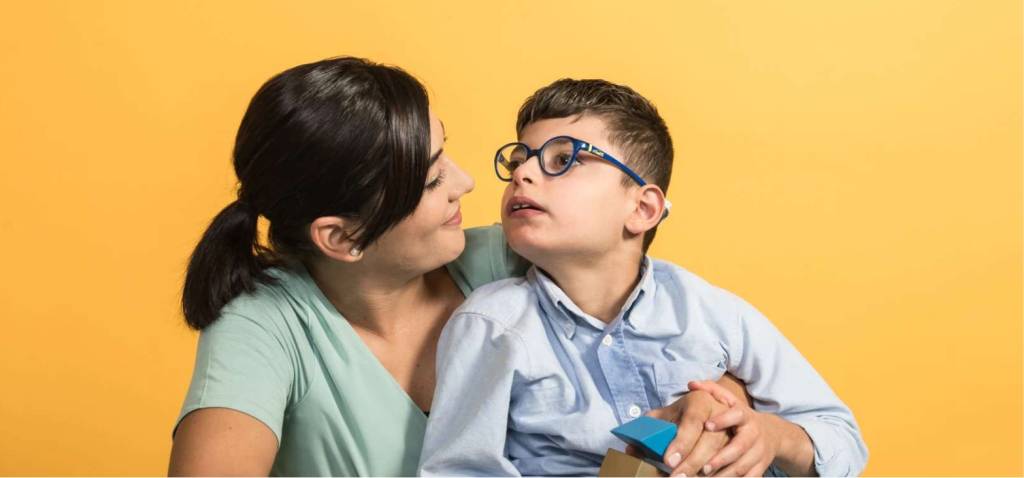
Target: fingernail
point(710, 425)
point(707, 469)
point(673, 460)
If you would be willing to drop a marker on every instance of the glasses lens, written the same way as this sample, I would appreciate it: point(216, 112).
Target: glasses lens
point(557, 155)
point(509, 158)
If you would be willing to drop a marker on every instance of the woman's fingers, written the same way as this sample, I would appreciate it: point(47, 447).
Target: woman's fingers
point(758, 469)
point(732, 417)
point(741, 467)
point(706, 447)
point(717, 391)
point(739, 446)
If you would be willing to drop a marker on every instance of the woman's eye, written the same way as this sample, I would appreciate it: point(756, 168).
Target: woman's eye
point(436, 182)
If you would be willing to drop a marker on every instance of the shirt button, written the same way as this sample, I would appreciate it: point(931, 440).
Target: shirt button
point(607, 340)
point(634, 411)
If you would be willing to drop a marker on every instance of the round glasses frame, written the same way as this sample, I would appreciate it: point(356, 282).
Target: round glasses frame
point(577, 146)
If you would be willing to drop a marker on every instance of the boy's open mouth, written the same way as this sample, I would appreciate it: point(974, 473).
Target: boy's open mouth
point(523, 206)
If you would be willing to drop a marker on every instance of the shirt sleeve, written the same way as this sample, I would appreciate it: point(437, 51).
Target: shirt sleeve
point(241, 365)
point(466, 432)
point(783, 382)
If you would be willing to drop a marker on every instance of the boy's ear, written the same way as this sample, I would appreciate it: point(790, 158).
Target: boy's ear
point(331, 235)
point(650, 209)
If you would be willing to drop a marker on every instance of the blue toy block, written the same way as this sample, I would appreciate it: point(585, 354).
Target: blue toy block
point(650, 435)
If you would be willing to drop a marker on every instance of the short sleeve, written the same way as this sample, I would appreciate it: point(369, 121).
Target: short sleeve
point(241, 365)
point(487, 258)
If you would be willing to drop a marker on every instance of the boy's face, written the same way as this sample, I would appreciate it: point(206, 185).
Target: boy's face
point(578, 214)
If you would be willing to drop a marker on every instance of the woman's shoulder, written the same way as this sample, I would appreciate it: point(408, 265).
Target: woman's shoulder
point(277, 305)
point(486, 258)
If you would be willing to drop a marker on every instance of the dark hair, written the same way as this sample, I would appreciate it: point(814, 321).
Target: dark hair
point(633, 124)
point(340, 137)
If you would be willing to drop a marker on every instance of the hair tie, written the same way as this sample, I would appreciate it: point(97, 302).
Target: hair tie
point(246, 206)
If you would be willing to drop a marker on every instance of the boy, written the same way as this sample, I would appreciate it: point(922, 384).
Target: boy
point(534, 372)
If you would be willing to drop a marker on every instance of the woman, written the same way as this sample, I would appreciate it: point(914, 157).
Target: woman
point(317, 353)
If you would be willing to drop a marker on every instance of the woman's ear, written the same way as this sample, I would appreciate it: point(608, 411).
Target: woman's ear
point(650, 209)
point(331, 236)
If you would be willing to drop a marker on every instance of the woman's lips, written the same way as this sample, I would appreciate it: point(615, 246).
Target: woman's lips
point(456, 219)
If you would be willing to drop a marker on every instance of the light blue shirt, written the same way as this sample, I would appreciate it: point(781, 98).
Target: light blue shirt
point(527, 383)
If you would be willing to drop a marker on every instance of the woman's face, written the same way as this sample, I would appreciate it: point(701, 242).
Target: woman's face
point(432, 236)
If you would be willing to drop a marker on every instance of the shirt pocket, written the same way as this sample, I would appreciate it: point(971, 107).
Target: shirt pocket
point(540, 408)
point(671, 377)
point(546, 395)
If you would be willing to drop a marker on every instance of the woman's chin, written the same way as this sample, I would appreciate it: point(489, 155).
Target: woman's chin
point(453, 245)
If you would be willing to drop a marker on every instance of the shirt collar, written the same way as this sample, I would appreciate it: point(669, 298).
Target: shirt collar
point(637, 311)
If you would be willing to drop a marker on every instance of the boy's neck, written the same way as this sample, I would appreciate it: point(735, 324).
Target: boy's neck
point(599, 285)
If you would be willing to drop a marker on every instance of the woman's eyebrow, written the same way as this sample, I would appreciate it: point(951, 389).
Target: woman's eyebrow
point(444, 133)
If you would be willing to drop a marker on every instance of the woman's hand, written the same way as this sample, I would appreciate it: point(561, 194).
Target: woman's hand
point(694, 445)
point(755, 442)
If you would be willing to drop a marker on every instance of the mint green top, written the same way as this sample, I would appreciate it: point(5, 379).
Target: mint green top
point(285, 356)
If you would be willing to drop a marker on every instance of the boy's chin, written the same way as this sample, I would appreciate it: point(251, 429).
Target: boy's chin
point(543, 254)
point(525, 244)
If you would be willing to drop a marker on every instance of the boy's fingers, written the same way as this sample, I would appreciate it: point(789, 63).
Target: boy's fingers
point(691, 426)
point(686, 437)
point(669, 413)
point(732, 417)
point(706, 447)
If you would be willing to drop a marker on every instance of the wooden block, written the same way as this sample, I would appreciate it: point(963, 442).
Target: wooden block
point(617, 463)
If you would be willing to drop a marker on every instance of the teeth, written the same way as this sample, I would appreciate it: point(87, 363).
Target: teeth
point(516, 207)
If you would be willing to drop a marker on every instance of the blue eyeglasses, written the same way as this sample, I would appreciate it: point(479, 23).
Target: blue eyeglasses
point(556, 157)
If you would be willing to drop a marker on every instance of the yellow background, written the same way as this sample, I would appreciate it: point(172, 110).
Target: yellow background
point(852, 168)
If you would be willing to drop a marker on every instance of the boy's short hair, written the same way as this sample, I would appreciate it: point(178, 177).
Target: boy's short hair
point(634, 124)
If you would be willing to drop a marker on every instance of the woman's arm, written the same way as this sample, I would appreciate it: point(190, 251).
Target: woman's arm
point(222, 442)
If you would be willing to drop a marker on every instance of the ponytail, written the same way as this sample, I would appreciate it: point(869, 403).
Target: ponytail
point(227, 262)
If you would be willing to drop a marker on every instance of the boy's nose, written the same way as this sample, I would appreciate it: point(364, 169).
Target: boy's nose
point(528, 171)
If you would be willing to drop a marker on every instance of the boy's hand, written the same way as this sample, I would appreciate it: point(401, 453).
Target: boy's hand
point(754, 444)
point(693, 441)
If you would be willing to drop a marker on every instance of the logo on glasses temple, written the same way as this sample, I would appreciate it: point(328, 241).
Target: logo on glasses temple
point(590, 149)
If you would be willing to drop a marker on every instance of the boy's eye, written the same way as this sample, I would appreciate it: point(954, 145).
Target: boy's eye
point(562, 160)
